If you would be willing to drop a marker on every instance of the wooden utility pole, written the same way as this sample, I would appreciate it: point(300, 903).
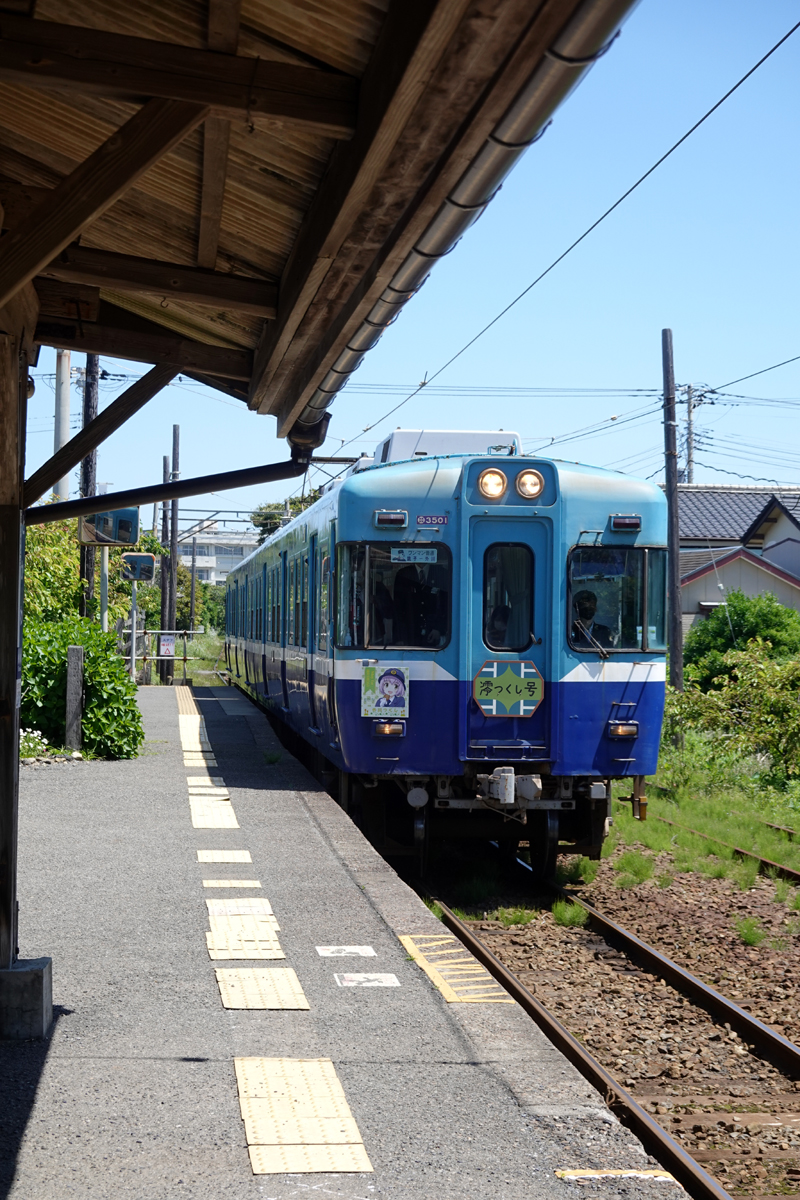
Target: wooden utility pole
point(89, 473)
point(173, 545)
point(162, 666)
point(673, 526)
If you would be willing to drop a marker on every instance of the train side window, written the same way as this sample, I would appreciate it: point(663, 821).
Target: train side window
point(303, 566)
point(290, 606)
point(350, 601)
point(508, 596)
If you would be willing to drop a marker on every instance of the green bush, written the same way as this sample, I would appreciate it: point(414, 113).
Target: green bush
point(112, 724)
point(741, 620)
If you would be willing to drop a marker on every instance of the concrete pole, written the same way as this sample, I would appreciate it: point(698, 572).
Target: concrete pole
point(134, 618)
point(62, 432)
point(194, 573)
point(674, 598)
point(104, 588)
point(89, 473)
point(162, 666)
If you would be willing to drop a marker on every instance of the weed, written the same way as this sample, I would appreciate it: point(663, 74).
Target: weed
point(566, 912)
point(745, 873)
point(576, 870)
point(435, 908)
point(793, 926)
point(750, 930)
point(714, 867)
point(626, 880)
point(778, 943)
point(272, 757)
point(513, 916)
point(796, 900)
point(635, 864)
point(781, 890)
point(665, 880)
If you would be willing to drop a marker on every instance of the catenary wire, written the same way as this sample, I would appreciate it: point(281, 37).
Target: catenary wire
point(584, 235)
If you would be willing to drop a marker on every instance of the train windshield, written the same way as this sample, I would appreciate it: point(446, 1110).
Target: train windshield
point(617, 598)
point(394, 595)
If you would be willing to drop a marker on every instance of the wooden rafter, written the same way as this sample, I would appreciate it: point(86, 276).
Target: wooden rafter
point(43, 53)
point(412, 41)
point(92, 188)
point(223, 35)
point(128, 273)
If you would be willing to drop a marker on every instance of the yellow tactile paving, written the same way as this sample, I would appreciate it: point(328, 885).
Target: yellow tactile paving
point(262, 1128)
point(231, 883)
point(279, 1160)
point(449, 965)
point(224, 856)
point(249, 925)
point(260, 987)
point(186, 701)
point(193, 732)
point(240, 906)
point(225, 947)
point(212, 814)
point(297, 1118)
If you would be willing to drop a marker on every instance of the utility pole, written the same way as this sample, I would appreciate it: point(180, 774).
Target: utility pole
point(162, 666)
point(173, 545)
point(63, 367)
point(690, 434)
point(89, 474)
point(194, 572)
point(673, 524)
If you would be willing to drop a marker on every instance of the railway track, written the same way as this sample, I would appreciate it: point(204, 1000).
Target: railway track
point(708, 1135)
point(765, 865)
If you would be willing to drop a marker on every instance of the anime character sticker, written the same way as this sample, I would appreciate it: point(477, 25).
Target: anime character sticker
point(384, 690)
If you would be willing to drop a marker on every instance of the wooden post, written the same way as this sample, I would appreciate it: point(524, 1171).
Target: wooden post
point(73, 737)
point(12, 449)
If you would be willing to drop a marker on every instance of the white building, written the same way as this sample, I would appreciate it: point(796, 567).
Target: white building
point(218, 550)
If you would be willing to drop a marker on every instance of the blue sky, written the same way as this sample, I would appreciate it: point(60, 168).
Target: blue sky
point(707, 246)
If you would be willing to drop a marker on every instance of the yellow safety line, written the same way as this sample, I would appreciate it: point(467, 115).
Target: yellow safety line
point(456, 980)
point(186, 701)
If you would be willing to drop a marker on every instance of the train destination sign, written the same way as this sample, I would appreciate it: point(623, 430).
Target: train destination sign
point(508, 688)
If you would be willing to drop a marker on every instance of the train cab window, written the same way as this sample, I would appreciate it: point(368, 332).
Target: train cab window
point(394, 595)
point(617, 598)
point(508, 597)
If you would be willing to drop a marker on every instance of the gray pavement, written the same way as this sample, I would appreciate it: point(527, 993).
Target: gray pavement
point(134, 1093)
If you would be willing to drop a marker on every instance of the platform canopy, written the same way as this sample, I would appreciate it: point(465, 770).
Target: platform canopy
point(229, 189)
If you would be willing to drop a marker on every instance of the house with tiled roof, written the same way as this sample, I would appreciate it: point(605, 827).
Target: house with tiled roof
point(737, 537)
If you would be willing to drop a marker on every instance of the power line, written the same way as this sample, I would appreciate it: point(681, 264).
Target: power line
point(585, 234)
point(774, 366)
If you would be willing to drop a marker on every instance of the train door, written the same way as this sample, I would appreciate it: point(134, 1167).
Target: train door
point(236, 625)
point(283, 592)
point(311, 627)
point(507, 641)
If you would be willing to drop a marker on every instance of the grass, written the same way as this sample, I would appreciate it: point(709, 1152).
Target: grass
point(569, 914)
point(782, 890)
point(633, 867)
point(271, 757)
point(435, 908)
point(750, 930)
point(513, 916)
point(576, 870)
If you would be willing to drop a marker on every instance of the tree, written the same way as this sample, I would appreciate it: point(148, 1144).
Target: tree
point(52, 571)
point(267, 517)
point(732, 626)
point(213, 606)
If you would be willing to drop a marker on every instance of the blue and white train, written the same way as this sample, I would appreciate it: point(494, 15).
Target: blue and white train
point(474, 639)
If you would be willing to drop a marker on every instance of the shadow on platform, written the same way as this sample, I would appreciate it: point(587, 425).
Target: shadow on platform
point(21, 1067)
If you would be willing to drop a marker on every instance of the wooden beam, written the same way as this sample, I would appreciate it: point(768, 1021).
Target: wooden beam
point(137, 345)
point(412, 40)
point(71, 300)
point(96, 432)
point(43, 53)
point(128, 273)
point(223, 35)
point(92, 188)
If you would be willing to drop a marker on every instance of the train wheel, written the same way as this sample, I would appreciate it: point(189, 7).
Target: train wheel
point(543, 843)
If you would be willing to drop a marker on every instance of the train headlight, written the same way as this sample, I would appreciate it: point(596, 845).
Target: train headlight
point(530, 484)
point(492, 483)
point(623, 729)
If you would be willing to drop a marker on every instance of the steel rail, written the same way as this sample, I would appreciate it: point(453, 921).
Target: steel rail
point(653, 1136)
point(782, 872)
point(773, 1044)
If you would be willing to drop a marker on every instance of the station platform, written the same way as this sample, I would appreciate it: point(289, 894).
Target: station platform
point(236, 1013)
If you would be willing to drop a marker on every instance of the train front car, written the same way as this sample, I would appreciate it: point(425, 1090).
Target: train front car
point(496, 654)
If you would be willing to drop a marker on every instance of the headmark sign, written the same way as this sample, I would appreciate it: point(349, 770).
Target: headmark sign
point(508, 688)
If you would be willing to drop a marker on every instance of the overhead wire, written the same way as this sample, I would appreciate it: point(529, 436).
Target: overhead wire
point(425, 382)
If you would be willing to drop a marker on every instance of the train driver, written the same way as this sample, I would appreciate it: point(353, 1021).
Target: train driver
point(585, 630)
